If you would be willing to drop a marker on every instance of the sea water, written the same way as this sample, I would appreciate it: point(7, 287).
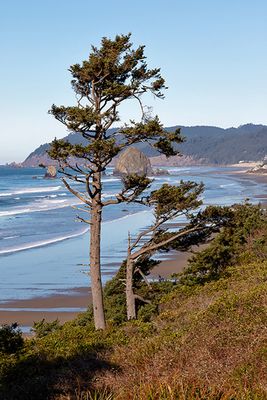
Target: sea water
point(44, 250)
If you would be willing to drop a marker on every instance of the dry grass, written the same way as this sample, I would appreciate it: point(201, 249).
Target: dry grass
point(210, 344)
point(207, 343)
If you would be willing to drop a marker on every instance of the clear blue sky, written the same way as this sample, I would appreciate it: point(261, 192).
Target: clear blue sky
point(212, 54)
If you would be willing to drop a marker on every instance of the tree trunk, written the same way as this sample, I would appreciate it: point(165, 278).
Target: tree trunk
point(95, 267)
point(130, 298)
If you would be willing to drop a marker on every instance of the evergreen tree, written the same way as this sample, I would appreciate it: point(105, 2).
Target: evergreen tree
point(169, 203)
point(113, 74)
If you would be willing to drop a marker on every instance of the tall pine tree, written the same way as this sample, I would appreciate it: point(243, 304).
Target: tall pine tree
point(113, 73)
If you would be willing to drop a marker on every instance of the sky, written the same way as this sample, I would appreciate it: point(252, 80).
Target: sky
point(212, 54)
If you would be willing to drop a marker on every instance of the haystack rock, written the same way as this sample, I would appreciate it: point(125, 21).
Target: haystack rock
point(133, 161)
point(51, 172)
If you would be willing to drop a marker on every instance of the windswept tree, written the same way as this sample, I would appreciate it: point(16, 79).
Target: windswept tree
point(170, 202)
point(113, 74)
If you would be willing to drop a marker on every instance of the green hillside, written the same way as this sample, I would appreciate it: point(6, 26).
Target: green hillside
point(209, 144)
point(203, 337)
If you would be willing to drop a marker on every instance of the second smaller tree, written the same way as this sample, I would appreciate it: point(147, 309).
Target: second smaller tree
point(169, 203)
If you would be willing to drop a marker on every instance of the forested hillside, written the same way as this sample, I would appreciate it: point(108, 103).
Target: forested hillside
point(205, 145)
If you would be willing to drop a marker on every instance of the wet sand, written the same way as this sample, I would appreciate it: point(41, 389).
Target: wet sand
point(174, 265)
point(67, 307)
point(62, 307)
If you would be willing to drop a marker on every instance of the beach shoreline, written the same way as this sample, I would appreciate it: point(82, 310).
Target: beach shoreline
point(66, 307)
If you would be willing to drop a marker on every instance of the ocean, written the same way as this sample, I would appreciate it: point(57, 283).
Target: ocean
point(44, 250)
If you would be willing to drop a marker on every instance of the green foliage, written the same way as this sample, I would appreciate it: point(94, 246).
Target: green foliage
point(11, 340)
point(116, 69)
point(147, 311)
point(113, 74)
point(172, 199)
point(114, 297)
point(134, 185)
point(43, 328)
point(231, 245)
point(166, 356)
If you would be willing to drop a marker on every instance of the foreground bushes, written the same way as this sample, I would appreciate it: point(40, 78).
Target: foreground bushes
point(202, 338)
point(208, 342)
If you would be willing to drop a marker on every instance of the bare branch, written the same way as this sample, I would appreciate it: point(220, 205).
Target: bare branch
point(144, 277)
point(86, 221)
point(77, 194)
point(82, 209)
point(156, 246)
point(136, 296)
point(141, 106)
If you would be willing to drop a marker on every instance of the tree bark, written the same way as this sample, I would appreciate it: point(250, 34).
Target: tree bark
point(130, 298)
point(95, 266)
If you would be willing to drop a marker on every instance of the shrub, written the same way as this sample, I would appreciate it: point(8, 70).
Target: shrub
point(243, 239)
point(43, 328)
point(11, 340)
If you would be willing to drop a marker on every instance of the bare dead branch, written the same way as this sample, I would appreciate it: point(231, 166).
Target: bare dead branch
point(77, 194)
point(86, 221)
point(156, 246)
point(144, 277)
point(137, 297)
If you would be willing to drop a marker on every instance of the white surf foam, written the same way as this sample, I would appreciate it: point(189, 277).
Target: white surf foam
point(111, 180)
point(42, 243)
point(43, 205)
point(32, 190)
point(227, 184)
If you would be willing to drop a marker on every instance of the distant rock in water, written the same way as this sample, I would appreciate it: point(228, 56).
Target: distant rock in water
point(133, 161)
point(51, 172)
point(260, 168)
point(160, 171)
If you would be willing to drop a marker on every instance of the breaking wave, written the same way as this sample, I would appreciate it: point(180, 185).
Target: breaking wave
point(42, 243)
point(32, 190)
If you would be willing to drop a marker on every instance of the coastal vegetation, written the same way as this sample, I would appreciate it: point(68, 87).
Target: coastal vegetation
point(202, 337)
point(113, 74)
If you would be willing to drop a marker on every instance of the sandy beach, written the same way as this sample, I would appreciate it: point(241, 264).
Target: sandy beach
point(26, 312)
point(66, 307)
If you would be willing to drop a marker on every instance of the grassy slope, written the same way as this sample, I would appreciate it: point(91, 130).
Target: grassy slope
point(208, 342)
point(211, 336)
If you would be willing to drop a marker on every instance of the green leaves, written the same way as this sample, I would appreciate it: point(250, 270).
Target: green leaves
point(152, 131)
point(76, 118)
point(241, 225)
point(116, 71)
point(136, 183)
point(113, 73)
point(102, 150)
point(133, 180)
point(169, 199)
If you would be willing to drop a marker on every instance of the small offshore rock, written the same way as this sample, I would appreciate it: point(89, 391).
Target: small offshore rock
point(160, 171)
point(51, 172)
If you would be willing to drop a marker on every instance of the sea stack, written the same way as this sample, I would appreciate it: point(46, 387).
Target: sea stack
point(51, 172)
point(133, 161)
